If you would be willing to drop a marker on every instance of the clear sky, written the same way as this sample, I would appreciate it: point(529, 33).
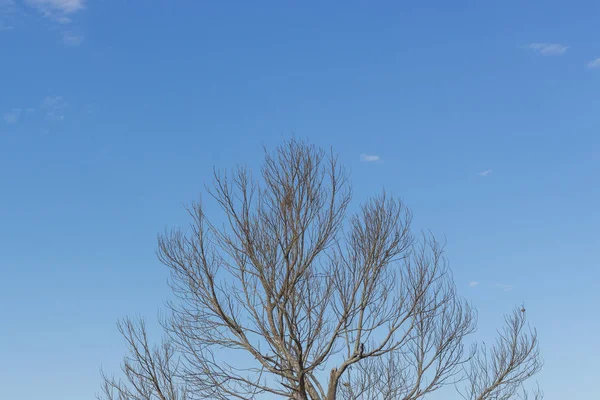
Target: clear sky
point(483, 116)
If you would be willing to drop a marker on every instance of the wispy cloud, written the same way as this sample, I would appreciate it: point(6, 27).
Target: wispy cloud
point(58, 10)
point(61, 15)
point(485, 172)
point(548, 49)
point(12, 117)
point(72, 39)
point(54, 108)
point(473, 283)
point(7, 10)
point(505, 287)
point(369, 158)
point(594, 63)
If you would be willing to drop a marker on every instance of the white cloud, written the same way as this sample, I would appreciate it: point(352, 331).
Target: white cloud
point(54, 108)
point(369, 158)
point(72, 39)
point(7, 9)
point(473, 283)
point(504, 287)
point(12, 117)
point(594, 63)
point(59, 13)
point(485, 172)
point(548, 49)
point(58, 10)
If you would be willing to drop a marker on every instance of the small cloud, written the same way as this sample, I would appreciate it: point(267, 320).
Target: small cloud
point(54, 108)
point(369, 158)
point(57, 10)
point(72, 39)
point(504, 287)
point(7, 10)
point(485, 172)
point(12, 117)
point(548, 49)
point(59, 13)
point(594, 64)
point(473, 283)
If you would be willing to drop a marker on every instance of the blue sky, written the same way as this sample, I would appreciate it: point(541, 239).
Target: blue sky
point(483, 117)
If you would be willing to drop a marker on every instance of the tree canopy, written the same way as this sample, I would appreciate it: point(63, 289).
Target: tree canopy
point(295, 297)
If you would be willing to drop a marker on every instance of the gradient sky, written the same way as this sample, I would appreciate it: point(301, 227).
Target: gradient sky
point(483, 116)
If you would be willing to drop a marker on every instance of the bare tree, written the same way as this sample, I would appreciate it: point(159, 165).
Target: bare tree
point(292, 297)
point(150, 372)
point(500, 372)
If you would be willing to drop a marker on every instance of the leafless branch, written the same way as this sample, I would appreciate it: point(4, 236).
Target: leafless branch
point(291, 295)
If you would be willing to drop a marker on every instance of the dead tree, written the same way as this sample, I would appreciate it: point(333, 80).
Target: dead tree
point(292, 296)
